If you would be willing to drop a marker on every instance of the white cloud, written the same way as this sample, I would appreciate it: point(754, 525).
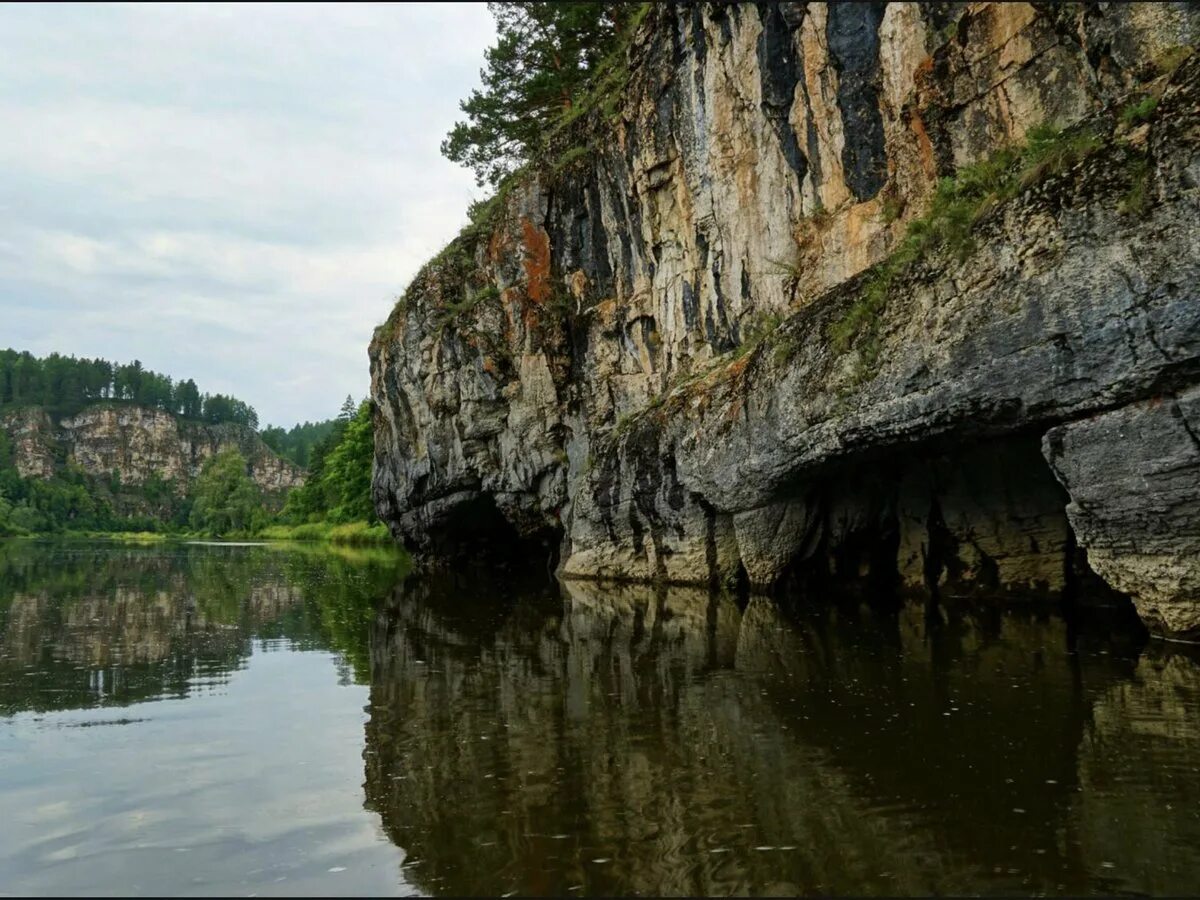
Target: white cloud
point(230, 193)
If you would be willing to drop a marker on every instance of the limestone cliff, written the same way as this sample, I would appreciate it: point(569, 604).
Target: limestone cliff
point(720, 344)
point(137, 444)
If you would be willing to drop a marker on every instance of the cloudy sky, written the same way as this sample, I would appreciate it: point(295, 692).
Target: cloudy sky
point(232, 194)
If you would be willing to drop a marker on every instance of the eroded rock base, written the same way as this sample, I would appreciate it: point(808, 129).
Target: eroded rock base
point(1134, 479)
point(982, 522)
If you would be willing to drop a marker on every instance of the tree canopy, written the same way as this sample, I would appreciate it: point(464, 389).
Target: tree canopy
point(65, 385)
point(544, 56)
point(338, 485)
point(296, 443)
point(225, 498)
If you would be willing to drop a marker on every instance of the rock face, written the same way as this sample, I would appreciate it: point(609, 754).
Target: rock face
point(638, 359)
point(138, 443)
point(1134, 479)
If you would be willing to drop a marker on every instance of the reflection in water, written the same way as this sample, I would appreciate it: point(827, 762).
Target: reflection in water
point(84, 625)
point(574, 739)
point(623, 740)
point(185, 720)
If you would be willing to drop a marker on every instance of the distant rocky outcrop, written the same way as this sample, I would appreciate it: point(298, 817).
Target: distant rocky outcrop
point(136, 444)
point(704, 350)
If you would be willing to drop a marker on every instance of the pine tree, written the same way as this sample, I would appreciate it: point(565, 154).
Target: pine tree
point(544, 54)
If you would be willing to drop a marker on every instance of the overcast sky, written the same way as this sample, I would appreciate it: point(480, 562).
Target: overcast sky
point(232, 194)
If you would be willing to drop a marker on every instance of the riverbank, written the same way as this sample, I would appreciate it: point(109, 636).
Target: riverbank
point(353, 534)
point(350, 533)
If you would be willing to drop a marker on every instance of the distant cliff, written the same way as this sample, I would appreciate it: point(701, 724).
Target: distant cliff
point(903, 292)
point(133, 444)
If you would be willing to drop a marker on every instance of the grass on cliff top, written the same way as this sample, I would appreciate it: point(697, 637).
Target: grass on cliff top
point(959, 203)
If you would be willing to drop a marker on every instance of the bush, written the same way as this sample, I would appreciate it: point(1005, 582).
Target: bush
point(1139, 111)
point(348, 533)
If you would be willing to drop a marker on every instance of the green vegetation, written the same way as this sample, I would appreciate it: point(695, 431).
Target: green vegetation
point(757, 329)
point(338, 488)
point(297, 442)
point(1137, 199)
point(64, 385)
point(225, 499)
point(551, 63)
point(1139, 111)
point(334, 504)
point(792, 271)
point(958, 204)
point(70, 500)
point(352, 534)
point(891, 209)
point(571, 156)
point(1170, 59)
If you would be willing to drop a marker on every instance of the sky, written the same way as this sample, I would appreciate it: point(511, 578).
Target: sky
point(231, 194)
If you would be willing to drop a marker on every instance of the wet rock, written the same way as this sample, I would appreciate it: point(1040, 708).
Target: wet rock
point(1134, 479)
point(772, 536)
point(989, 516)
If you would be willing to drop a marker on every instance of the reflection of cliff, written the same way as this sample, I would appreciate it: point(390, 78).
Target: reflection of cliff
point(129, 625)
point(86, 625)
point(673, 735)
point(1136, 763)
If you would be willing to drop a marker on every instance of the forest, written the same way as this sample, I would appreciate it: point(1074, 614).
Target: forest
point(64, 385)
point(297, 443)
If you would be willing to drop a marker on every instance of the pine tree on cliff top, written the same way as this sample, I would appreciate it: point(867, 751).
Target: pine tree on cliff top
point(543, 56)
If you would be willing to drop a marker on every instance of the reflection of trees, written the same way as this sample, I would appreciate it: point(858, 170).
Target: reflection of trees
point(514, 741)
point(103, 624)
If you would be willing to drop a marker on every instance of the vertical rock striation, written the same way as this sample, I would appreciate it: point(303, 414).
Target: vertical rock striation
point(641, 357)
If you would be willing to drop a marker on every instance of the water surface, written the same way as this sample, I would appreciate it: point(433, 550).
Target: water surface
point(196, 719)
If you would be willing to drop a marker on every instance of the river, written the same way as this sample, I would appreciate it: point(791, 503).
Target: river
point(272, 720)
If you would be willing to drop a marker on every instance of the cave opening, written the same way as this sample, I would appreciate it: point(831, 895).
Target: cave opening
point(949, 524)
point(476, 532)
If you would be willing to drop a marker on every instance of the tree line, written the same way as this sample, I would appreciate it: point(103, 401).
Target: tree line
point(337, 488)
point(336, 491)
point(297, 443)
point(64, 385)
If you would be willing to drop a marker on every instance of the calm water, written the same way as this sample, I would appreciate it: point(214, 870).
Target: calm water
point(189, 719)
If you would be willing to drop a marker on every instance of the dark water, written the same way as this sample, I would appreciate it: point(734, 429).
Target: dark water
point(189, 719)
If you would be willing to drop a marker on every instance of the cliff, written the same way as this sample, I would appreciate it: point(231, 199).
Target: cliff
point(138, 444)
point(795, 309)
